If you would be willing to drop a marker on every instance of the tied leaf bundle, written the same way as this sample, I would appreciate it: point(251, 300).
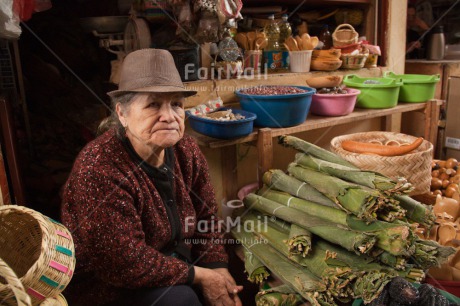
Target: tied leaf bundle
point(255, 269)
point(311, 149)
point(336, 279)
point(394, 238)
point(281, 181)
point(429, 253)
point(279, 296)
point(353, 198)
point(369, 179)
point(358, 242)
point(299, 241)
point(417, 211)
point(301, 280)
point(375, 276)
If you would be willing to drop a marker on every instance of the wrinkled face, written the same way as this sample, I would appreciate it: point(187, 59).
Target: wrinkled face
point(154, 121)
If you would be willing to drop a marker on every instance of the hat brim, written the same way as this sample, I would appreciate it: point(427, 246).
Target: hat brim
point(158, 89)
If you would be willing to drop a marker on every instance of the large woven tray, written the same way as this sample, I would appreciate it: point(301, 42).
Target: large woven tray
point(415, 166)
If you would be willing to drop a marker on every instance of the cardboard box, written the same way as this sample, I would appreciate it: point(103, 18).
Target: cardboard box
point(452, 131)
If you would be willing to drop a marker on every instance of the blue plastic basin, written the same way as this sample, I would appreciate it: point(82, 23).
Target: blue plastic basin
point(223, 129)
point(278, 110)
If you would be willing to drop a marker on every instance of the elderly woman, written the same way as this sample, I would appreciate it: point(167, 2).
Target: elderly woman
point(135, 197)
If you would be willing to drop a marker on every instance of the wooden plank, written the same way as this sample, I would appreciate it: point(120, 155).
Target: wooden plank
point(312, 123)
point(7, 127)
point(229, 165)
point(317, 122)
point(264, 151)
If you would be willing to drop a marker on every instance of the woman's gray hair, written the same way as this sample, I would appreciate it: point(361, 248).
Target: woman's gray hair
point(112, 121)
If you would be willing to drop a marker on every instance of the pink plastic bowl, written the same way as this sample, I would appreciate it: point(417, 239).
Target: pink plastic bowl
point(334, 105)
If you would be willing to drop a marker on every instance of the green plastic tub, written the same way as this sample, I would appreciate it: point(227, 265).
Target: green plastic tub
point(375, 92)
point(416, 88)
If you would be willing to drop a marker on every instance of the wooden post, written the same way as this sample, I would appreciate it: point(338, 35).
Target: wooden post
point(392, 123)
point(264, 152)
point(431, 121)
point(229, 172)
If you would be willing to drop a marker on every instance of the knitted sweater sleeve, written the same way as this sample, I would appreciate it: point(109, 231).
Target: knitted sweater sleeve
point(208, 246)
point(108, 233)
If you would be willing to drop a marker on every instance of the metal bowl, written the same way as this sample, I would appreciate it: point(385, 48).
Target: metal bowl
point(105, 24)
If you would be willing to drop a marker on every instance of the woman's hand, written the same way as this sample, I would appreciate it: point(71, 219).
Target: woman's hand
point(230, 281)
point(217, 289)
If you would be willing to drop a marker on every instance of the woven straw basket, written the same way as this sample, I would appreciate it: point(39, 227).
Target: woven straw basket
point(17, 293)
point(415, 167)
point(344, 35)
point(56, 301)
point(38, 249)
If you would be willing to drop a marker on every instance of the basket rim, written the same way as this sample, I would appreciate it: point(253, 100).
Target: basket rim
point(27, 211)
point(336, 145)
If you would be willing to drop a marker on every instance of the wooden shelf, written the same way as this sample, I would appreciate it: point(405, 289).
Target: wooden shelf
point(262, 138)
point(312, 123)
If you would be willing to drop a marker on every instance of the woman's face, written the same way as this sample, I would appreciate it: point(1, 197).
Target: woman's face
point(154, 121)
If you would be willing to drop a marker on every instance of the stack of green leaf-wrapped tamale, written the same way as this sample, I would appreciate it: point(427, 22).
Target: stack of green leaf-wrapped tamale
point(332, 232)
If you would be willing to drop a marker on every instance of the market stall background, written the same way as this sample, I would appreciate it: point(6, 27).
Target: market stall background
point(65, 75)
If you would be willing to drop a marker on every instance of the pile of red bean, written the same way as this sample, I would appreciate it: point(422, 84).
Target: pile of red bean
point(275, 90)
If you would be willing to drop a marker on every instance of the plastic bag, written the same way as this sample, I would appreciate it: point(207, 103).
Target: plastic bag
point(208, 28)
point(9, 22)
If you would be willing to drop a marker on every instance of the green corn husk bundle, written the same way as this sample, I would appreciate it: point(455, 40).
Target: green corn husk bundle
point(416, 211)
point(369, 179)
point(279, 296)
point(429, 253)
point(255, 269)
point(314, 150)
point(306, 284)
point(394, 238)
point(279, 180)
point(351, 197)
point(349, 239)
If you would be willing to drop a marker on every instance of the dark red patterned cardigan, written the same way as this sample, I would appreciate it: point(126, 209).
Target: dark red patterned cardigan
point(119, 222)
